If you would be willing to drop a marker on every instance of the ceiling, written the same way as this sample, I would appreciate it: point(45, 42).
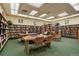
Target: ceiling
point(6, 7)
point(50, 9)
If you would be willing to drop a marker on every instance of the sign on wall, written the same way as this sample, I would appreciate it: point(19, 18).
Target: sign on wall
point(66, 21)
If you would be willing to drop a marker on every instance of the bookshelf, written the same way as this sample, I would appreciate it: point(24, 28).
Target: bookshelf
point(70, 31)
point(78, 35)
point(3, 31)
point(15, 30)
point(46, 27)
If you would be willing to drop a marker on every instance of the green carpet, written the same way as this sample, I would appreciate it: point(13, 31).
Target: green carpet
point(13, 48)
point(66, 47)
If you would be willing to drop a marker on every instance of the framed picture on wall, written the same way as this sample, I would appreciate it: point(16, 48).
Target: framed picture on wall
point(20, 20)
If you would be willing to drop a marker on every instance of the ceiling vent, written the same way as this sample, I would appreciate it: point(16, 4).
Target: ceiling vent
point(24, 11)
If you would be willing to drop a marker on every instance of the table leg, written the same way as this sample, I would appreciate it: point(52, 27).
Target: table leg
point(27, 47)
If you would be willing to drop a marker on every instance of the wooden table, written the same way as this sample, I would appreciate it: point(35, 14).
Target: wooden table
point(30, 38)
point(26, 39)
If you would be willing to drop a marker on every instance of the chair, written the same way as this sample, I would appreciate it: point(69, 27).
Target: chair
point(57, 36)
point(48, 40)
point(53, 34)
point(39, 40)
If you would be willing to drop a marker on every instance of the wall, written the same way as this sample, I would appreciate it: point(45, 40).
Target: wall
point(2, 11)
point(26, 21)
point(70, 21)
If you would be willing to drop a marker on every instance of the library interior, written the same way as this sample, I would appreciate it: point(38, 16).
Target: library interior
point(39, 29)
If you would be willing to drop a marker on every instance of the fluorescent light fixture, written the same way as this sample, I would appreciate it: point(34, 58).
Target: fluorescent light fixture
point(33, 12)
point(43, 15)
point(63, 14)
point(51, 17)
point(36, 4)
point(75, 6)
point(14, 8)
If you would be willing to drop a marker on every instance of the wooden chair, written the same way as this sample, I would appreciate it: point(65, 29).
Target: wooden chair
point(53, 34)
point(39, 40)
point(48, 40)
point(57, 36)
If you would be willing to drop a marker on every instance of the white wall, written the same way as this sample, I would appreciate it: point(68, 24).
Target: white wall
point(2, 11)
point(26, 21)
point(72, 21)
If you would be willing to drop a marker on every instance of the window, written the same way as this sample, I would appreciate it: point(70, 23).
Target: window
point(20, 20)
point(14, 8)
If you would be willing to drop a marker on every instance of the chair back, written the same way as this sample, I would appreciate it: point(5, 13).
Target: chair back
point(49, 38)
point(39, 40)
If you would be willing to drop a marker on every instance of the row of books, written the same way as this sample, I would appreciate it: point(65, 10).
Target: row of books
point(70, 30)
point(17, 29)
point(3, 31)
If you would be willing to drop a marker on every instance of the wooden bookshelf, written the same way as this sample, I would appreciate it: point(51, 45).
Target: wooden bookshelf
point(15, 30)
point(3, 31)
point(78, 35)
point(70, 31)
point(46, 27)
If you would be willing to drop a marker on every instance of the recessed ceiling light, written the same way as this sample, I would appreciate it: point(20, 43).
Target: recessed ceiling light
point(36, 4)
point(63, 14)
point(43, 15)
point(51, 17)
point(33, 12)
